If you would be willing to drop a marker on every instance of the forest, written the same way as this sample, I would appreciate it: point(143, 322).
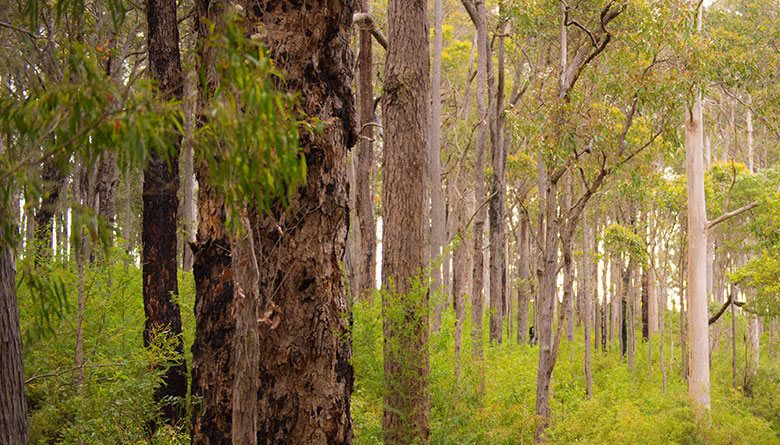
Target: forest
point(389, 221)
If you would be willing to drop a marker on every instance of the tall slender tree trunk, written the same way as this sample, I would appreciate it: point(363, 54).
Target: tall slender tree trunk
point(546, 308)
point(732, 294)
point(364, 157)
point(306, 375)
point(438, 215)
point(524, 277)
point(13, 399)
point(630, 324)
point(749, 124)
point(160, 211)
point(460, 274)
point(405, 102)
point(189, 217)
point(497, 211)
point(586, 298)
point(699, 373)
point(662, 300)
point(568, 267)
point(479, 184)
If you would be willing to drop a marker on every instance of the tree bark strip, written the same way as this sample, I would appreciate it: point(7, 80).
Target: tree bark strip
point(160, 212)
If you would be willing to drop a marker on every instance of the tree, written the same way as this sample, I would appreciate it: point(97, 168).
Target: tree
point(306, 372)
point(364, 158)
point(13, 400)
point(405, 294)
point(269, 248)
point(161, 204)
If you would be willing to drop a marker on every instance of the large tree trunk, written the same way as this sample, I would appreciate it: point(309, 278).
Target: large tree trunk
point(212, 370)
point(161, 205)
point(365, 265)
point(405, 102)
point(699, 373)
point(13, 400)
point(306, 376)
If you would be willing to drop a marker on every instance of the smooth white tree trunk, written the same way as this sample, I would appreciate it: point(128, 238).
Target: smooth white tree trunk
point(698, 331)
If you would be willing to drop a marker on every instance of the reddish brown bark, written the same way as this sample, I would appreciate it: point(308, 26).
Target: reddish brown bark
point(305, 374)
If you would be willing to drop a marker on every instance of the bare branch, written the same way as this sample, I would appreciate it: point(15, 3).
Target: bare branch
point(368, 23)
point(725, 216)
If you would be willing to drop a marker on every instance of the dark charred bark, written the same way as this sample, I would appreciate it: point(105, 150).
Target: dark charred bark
point(212, 351)
point(160, 209)
point(13, 400)
point(306, 377)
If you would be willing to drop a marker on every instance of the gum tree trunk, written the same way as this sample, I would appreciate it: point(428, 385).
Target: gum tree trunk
point(160, 209)
point(13, 400)
point(212, 352)
point(364, 157)
point(405, 102)
point(438, 216)
point(305, 374)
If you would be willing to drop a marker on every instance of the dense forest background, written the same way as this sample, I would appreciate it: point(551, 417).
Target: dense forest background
point(390, 221)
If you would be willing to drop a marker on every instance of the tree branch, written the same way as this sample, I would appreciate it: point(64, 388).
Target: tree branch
point(725, 306)
point(75, 368)
point(725, 216)
point(364, 18)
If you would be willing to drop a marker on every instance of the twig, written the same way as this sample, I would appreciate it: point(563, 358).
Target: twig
point(75, 368)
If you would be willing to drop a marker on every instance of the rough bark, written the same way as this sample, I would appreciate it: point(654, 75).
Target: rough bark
point(108, 179)
point(306, 377)
point(246, 347)
point(405, 102)
point(160, 212)
point(364, 160)
point(212, 371)
point(53, 179)
point(496, 210)
point(546, 307)
point(13, 399)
